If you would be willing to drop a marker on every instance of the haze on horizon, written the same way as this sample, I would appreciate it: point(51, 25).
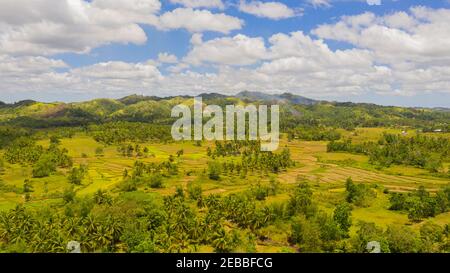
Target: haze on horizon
point(389, 52)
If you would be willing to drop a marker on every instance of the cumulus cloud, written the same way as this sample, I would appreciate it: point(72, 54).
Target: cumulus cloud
point(237, 50)
point(199, 21)
point(117, 71)
point(200, 3)
point(419, 37)
point(16, 66)
point(31, 74)
point(178, 67)
point(399, 53)
point(165, 57)
point(306, 65)
point(47, 27)
point(271, 10)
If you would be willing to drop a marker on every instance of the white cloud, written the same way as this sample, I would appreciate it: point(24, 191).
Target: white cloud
point(271, 10)
point(295, 69)
point(400, 53)
point(299, 52)
point(133, 6)
point(196, 39)
point(31, 74)
point(237, 50)
point(165, 57)
point(199, 21)
point(320, 3)
point(200, 3)
point(117, 71)
point(16, 66)
point(178, 67)
point(327, 3)
point(420, 37)
point(47, 27)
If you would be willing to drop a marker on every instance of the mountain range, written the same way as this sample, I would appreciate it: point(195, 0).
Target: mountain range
point(295, 109)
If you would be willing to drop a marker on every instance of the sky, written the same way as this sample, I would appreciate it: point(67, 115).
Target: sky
point(389, 52)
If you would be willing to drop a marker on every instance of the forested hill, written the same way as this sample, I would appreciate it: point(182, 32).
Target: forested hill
point(296, 110)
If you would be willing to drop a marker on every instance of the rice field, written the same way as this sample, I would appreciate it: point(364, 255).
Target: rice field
point(327, 173)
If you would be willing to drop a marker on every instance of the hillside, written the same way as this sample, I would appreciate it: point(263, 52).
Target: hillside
point(295, 109)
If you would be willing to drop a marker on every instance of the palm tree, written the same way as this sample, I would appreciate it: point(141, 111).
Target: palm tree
point(220, 241)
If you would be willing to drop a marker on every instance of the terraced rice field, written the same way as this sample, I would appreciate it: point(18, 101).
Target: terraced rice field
point(326, 171)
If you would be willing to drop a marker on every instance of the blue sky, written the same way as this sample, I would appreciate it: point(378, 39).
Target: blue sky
point(177, 41)
point(391, 53)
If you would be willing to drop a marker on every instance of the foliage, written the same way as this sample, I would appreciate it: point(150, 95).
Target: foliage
point(119, 132)
point(419, 151)
point(358, 194)
point(420, 203)
point(77, 174)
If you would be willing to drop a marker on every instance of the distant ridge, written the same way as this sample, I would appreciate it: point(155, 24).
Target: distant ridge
point(283, 98)
point(132, 99)
point(247, 96)
point(17, 104)
point(244, 95)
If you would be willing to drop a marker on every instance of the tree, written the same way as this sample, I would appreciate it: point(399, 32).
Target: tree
point(260, 192)
point(27, 187)
point(274, 185)
point(301, 201)
point(306, 234)
point(416, 209)
point(402, 239)
point(77, 174)
point(214, 170)
point(54, 140)
point(358, 194)
point(2, 166)
point(442, 201)
point(434, 164)
point(69, 195)
point(194, 191)
point(125, 174)
point(179, 192)
point(398, 201)
point(368, 232)
point(99, 151)
point(156, 181)
point(432, 235)
point(44, 166)
point(342, 215)
point(350, 189)
point(222, 241)
point(101, 197)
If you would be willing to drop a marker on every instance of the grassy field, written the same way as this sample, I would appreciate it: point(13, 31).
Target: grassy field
point(327, 173)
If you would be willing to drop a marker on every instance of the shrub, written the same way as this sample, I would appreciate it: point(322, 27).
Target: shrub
point(214, 170)
point(156, 181)
point(44, 166)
